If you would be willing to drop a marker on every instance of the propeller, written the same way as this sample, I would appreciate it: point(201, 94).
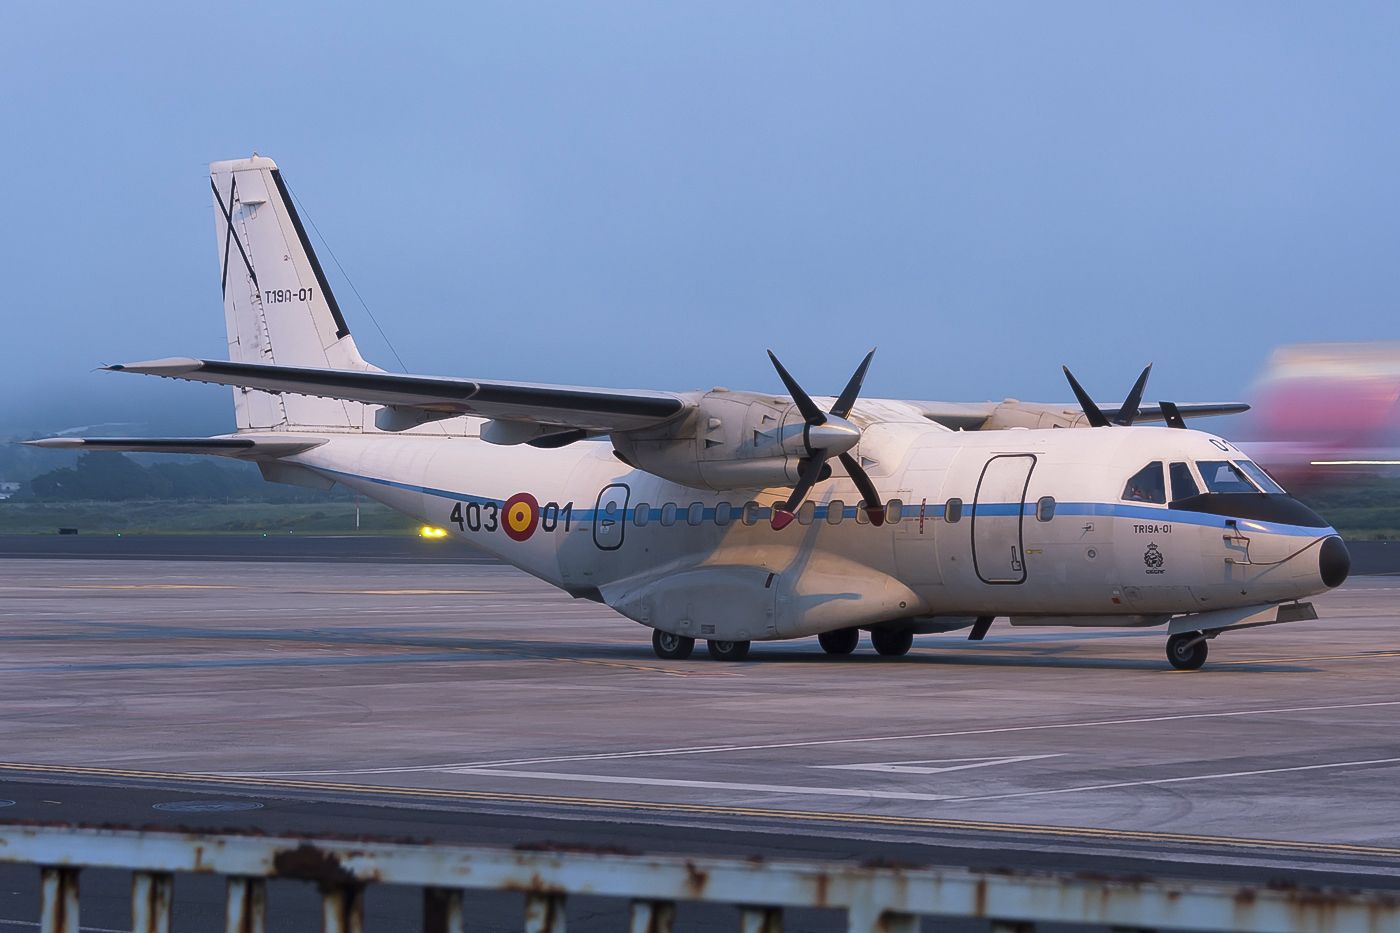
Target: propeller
point(1172, 414)
point(826, 435)
point(1124, 416)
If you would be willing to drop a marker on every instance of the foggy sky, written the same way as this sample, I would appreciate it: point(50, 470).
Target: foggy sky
point(641, 194)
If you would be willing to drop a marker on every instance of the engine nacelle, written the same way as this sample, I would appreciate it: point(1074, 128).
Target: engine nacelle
point(732, 440)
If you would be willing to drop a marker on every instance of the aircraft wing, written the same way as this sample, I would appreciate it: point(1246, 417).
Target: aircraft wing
point(573, 407)
point(978, 416)
point(239, 447)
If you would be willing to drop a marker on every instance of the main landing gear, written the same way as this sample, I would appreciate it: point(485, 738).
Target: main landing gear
point(1187, 651)
point(840, 641)
point(728, 650)
point(670, 647)
point(892, 643)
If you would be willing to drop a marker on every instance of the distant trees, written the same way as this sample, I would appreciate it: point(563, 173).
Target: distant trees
point(104, 476)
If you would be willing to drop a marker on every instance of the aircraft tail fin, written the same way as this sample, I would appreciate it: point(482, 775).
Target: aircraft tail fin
point(278, 306)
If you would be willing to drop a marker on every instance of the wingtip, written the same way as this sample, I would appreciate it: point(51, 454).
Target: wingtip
point(170, 366)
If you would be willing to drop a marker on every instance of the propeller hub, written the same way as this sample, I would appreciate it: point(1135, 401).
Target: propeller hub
point(834, 436)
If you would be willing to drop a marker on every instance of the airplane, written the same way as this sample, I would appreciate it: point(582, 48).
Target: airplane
point(732, 516)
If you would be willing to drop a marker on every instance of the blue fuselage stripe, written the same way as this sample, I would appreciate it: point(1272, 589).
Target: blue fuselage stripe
point(930, 511)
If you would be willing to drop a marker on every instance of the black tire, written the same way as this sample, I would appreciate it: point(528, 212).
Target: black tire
point(841, 641)
point(728, 650)
point(669, 647)
point(892, 643)
point(1184, 657)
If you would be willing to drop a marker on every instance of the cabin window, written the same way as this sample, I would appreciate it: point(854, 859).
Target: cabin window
point(894, 511)
point(1224, 476)
point(807, 513)
point(835, 511)
point(952, 512)
point(1261, 479)
point(641, 515)
point(724, 513)
point(1147, 485)
point(695, 514)
point(750, 513)
point(862, 516)
point(1045, 508)
point(668, 514)
point(1183, 483)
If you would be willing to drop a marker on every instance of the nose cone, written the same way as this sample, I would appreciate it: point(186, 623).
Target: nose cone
point(1334, 561)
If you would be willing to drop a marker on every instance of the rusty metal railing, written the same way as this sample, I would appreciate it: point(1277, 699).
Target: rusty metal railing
point(875, 898)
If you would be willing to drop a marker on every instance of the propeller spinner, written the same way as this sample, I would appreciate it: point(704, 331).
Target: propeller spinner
point(827, 435)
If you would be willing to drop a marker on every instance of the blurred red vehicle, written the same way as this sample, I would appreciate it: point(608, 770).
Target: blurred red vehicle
point(1327, 410)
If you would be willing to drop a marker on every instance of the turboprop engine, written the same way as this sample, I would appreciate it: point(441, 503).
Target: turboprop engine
point(734, 440)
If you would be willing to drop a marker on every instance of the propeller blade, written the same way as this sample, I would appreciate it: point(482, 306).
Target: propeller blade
point(843, 405)
point(807, 477)
point(873, 506)
point(1172, 414)
point(1096, 417)
point(810, 412)
point(1129, 411)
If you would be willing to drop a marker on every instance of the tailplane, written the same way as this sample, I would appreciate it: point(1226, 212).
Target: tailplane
point(278, 306)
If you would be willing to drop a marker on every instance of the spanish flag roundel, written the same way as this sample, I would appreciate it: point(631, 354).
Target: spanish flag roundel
point(522, 515)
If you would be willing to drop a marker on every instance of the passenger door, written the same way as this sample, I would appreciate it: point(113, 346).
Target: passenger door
point(998, 551)
point(610, 516)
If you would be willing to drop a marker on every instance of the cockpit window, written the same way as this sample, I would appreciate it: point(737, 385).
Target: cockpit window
point(1183, 483)
point(1224, 476)
point(1147, 485)
point(1262, 479)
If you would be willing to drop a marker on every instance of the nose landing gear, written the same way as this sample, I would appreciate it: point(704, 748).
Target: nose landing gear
point(1187, 650)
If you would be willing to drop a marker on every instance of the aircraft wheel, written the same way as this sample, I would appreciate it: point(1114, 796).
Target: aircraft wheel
point(1185, 658)
point(728, 650)
point(892, 643)
point(841, 641)
point(670, 647)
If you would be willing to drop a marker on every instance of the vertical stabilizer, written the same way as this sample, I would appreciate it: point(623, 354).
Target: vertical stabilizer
point(277, 304)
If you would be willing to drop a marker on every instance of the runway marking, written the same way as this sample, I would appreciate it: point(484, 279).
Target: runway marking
point(144, 586)
point(819, 743)
point(1178, 780)
point(943, 764)
point(1331, 657)
point(36, 925)
point(803, 816)
point(877, 794)
point(648, 668)
point(864, 793)
point(409, 592)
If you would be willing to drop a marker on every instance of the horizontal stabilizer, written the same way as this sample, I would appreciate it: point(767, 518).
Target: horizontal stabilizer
point(571, 406)
point(238, 447)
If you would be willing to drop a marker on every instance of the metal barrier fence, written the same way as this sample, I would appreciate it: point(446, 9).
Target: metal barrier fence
point(888, 899)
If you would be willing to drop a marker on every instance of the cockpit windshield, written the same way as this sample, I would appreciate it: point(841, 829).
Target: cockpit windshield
point(1224, 476)
point(1262, 479)
point(1146, 485)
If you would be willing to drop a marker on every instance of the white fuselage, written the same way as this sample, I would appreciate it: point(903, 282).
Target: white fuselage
point(708, 564)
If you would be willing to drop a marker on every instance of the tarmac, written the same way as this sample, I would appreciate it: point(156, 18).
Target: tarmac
point(432, 693)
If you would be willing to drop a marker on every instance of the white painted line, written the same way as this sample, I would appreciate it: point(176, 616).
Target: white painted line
point(707, 785)
point(814, 743)
point(933, 766)
point(1178, 780)
point(888, 794)
point(35, 924)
